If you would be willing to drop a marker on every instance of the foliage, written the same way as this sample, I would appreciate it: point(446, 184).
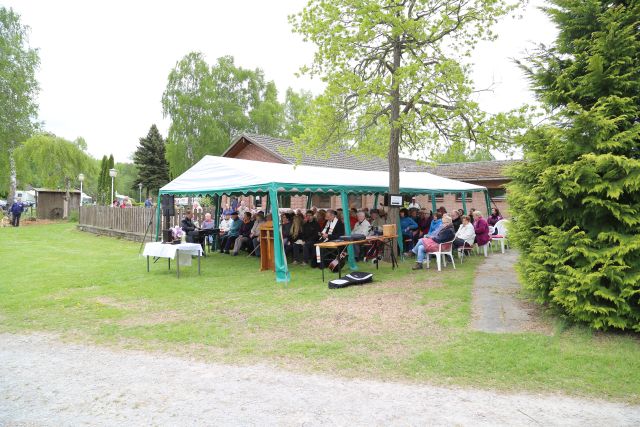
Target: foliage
point(150, 159)
point(457, 153)
point(395, 78)
point(577, 197)
point(102, 193)
point(296, 106)
point(126, 183)
point(18, 92)
point(210, 105)
point(406, 326)
point(45, 160)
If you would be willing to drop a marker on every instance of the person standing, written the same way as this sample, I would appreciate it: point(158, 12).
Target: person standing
point(148, 203)
point(16, 211)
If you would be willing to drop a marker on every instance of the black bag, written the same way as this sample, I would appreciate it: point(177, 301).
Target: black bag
point(354, 278)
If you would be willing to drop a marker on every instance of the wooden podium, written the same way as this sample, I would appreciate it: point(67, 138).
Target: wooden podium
point(266, 247)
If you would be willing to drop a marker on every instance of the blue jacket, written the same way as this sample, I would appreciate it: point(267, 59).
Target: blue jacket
point(435, 224)
point(407, 222)
point(17, 208)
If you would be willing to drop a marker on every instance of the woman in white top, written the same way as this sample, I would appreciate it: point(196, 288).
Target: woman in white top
point(465, 234)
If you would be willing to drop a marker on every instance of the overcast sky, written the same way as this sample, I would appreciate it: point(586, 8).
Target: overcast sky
point(104, 65)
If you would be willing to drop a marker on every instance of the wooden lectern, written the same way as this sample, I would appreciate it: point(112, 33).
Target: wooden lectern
point(266, 247)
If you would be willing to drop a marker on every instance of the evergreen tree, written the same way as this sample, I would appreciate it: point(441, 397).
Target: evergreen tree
point(153, 169)
point(576, 199)
point(101, 196)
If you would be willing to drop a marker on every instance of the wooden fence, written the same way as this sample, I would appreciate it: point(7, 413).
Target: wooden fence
point(129, 223)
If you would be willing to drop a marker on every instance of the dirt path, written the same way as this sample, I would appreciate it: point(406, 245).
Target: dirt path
point(46, 382)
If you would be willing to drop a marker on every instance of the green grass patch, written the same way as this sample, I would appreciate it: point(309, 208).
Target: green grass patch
point(407, 325)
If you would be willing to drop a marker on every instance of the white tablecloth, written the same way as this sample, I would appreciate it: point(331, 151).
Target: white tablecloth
point(164, 250)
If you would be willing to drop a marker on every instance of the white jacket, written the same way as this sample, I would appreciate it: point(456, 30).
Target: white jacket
point(466, 233)
point(361, 228)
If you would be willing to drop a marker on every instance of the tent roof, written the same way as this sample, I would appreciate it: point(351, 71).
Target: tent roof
point(223, 175)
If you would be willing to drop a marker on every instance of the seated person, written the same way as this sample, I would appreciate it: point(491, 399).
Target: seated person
point(285, 226)
point(208, 224)
point(376, 222)
point(189, 228)
point(482, 229)
point(362, 226)
point(303, 248)
point(436, 222)
point(333, 229)
point(466, 234)
point(426, 245)
point(295, 233)
point(255, 233)
point(456, 220)
point(229, 238)
point(243, 239)
point(407, 226)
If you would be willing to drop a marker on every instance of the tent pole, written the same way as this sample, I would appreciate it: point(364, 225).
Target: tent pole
point(282, 271)
point(375, 201)
point(344, 199)
point(158, 217)
point(216, 206)
point(309, 200)
point(433, 202)
point(464, 202)
point(488, 200)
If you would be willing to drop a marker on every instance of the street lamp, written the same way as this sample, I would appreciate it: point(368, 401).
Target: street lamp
point(81, 179)
point(112, 173)
point(139, 192)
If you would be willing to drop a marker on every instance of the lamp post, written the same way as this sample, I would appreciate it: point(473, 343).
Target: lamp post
point(81, 179)
point(139, 192)
point(112, 173)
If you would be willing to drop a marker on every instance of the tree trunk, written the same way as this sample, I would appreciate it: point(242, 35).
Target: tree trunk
point(12, 177)
point(394, 139)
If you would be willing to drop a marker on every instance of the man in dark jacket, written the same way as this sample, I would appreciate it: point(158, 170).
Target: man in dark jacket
point(16, 210)
point(187, 225)
point(303, 248)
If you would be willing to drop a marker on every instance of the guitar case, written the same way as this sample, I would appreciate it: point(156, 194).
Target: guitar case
point(351, 279)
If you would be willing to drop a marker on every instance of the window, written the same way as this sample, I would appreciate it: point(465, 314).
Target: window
point(321, 200)
point(284, 200)
point(497, 193)
point(355, 200)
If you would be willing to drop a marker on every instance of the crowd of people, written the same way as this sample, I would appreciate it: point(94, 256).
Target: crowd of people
point(421, 229)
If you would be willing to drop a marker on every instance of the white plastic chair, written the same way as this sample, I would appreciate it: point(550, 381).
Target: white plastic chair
point(444, 249)
point(501, 237)
point(462, 249)
point(484, 248)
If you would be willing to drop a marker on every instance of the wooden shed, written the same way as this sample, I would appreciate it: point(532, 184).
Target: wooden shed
point(50, 204)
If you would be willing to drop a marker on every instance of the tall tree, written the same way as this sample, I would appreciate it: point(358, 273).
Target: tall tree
point(102, 191)
point(577, 197)
point(150, 158)
point(209, 105)
point(395, 80)
point(18, 92)
point(296, 106)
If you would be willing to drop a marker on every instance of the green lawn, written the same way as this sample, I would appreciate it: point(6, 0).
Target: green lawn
point(411, 326)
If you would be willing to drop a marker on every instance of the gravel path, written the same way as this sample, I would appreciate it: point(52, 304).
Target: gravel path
point(47, 382)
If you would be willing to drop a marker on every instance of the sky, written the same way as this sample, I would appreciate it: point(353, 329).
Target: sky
point(104, 65)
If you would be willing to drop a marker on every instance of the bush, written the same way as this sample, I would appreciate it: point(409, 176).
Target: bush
point(73, 216)
point(576, 199)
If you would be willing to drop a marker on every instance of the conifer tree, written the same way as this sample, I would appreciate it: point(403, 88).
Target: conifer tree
point(576, 199)
point(102, 182)
point(153, 169)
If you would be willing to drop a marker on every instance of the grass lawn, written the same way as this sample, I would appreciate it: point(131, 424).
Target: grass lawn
point(410, 326)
